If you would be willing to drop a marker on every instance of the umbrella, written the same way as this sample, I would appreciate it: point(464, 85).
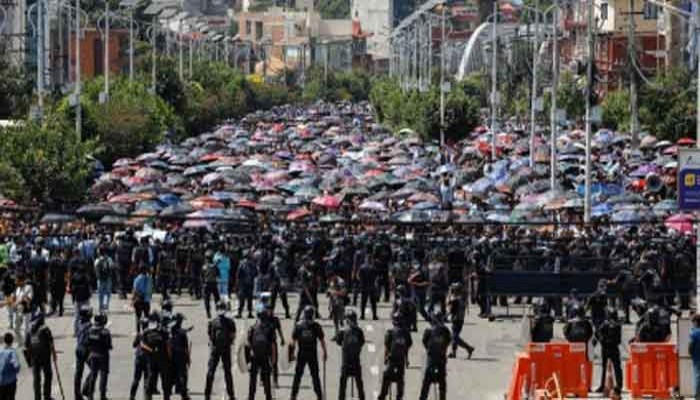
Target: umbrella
point(331, 218)
point(298, 214)
point(601, 209)
point(327, 201)
point(685, 141)
point(52, 218)
point(169, 199)
point(206, 202)
point(682, 223)
point(627, 198)
point(148, 173)
point(373, 206)
point(665, 207)
point(307, 192)
point(420, 196)
point(197, 224)
point(355, 191)
point(115, 220)
point(98, 210)
point(176, 210)
point(648, 142)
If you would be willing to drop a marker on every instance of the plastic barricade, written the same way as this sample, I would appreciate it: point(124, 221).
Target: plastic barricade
point(652, 370)
point(541, 361)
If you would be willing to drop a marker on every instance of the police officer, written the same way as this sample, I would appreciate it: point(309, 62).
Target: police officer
point(306, 292)
point(261, 353)
point(306, 334)
point(245, 280)
point(597, 303)
point(180, 354)
point(436, 341)
point(457, 305)
point(542, 328)
point(279, 278)
point(367, 275)
point(609, 334)
point(275, 324)
point(39, 348)
point(573, 301)
point(397, 342)
point(211, 286)
point(338, 299)
point(141, 361)
point(99, 346)
point(154, 344)
point(578, 329)
point(420, 283)
point(654, 326)
point(81, 347)
point(405, 309)
point(222, 332)
point(351, 339)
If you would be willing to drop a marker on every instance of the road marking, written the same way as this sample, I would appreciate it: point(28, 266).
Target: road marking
point(375, 394)
point(371, 348)
point(369, 328)
point(374, 370)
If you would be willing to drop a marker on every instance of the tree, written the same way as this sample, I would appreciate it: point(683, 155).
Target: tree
point(11, 182)
point(667, 105)
point(49, 158)
point(334, 9)
point(616, 110)
point(15, 90)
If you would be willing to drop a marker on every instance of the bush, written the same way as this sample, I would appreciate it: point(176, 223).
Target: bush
point(11, 182)
point(616, 110)
point(48, 163)
point(336, 86)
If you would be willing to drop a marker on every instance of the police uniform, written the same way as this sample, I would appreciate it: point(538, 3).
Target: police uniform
point(457, 306)
point(278, 284)
point(99, 346)
point(222, 332)
point(406, 309)
point(338, 296)
point(154, 345)
point(609, 335)
point(397, 343)
point(39, 347)
point(246, 281)
point(578, 330)
point(180, 350)
point(307, 333)
point(542, 328)
point(141, 361)
point(351, 339)
point(307, 292)
point(261, 338)
point(368, 289)
point(436, 341)
point(81, 350)
point(211, 288)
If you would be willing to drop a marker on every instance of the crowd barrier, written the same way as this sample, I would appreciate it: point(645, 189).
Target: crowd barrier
point(652, 370)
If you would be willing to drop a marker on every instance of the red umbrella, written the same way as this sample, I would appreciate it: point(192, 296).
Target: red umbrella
point(209, 157)
point(680, 222)
point(671, 151)
point(247, 204)
point(686, 141)
point(128, 198)
point(327, 201)
point(205, 202)
point(298, 214)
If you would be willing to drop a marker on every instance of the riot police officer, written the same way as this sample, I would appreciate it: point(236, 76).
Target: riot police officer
point(542, 328)
point(367, 275)
point(609, 334)
point(276, 326)
point(279, 278)
point(99, 346)
point(405, 309)
point(245, 280)
point(222, 332)
point(597, 303)
point(654, 326)
point(306, 334)
point(39, 348)
point(261, 353)
point(457, 306)
point(211, 285)
point(154, 344)
point(306, 292)
point(579, 328)
point(351, 339)
point(141, 360)
point(337, 292)
point(180, 354)
point(397, 342)
point(81, 347)
point(436, 341)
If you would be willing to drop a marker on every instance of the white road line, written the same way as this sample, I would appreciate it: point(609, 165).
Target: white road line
point(369, 328)
point(374, 370)
point(371, 348)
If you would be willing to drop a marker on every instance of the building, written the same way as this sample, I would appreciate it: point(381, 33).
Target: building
point(377, 19)
point(92, 53)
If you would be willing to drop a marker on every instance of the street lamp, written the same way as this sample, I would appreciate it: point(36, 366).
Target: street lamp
point(130, 5)
point(155, 10)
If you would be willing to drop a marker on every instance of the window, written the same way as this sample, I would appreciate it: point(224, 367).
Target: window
point(651, 11)
point(604, 11)
point(258, 30)
point(248, 28)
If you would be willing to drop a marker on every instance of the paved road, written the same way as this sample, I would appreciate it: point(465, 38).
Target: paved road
point(484, 377)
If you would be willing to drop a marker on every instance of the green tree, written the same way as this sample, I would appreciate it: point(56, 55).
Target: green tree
point(15, 90)
point(616, 110)
point(667, 105)
point(11, 182)
point(334, 9)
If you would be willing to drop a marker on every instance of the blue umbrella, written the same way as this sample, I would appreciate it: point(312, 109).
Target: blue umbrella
point(601, 209)
point(169, 199)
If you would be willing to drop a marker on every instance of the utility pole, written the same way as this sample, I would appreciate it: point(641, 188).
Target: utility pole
point(40, 49)
point(131, 43)
point(632, 59)
point(154, 31)
point(494, 80)
point(442, 78)
point(106, 50)
point(553, 110)
point(589, 92)
point(533, 94)
point(78, 105)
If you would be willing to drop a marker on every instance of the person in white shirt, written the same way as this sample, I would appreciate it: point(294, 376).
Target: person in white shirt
point(22, 305)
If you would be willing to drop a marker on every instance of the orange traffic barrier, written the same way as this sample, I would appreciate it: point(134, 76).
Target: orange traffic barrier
point(541, 361)
point(652, 370)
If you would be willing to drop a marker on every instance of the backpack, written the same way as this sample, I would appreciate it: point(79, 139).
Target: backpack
point(39, 342)
point(260, 343)
point(399, 347)
point(222, 334)
point(103, 268)
point(83, 334)
point(307, 339)
point(351, 342)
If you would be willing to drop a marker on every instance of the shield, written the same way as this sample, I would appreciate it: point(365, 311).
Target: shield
point(241, 359)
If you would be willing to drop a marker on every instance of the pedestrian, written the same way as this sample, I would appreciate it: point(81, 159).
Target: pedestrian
point(457, 304)
point(58, 270)
point(104, 267)
point(9, 368)
point(420, 284)
point(223, 264)
point(141, 296)
point(39, 350)
point(125, 245)
point(694, 351)
point(609, 334)
point(80, 290)
point(405, 309)
point(261, 352)
point(307, 334)
point(222, 332)
point(397, 343)
point(275, 324)
point(21, 303)
point(81, 348)
point(306, 291)
point(99, 347)
point(211, 283)
point(141, 360)
point(337, 293)
point(436, 341)
point(180, 354)
point(39, 269)
point(351, 339)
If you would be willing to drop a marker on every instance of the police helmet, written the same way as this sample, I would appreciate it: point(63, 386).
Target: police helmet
point(167, 305)
point(100, 319)
point(154, 316)
point(351, 316)
point(438, 317)
point(654, 314)
point(400, 290)
point(208, 254)
point(85, 312)
point(611, 314)
point(177, 319)
point(265, 298)
point(260, 310)
point(578, 311)
point(456, 287)
point(396, 319)
point(309, 313)
point(221, 307)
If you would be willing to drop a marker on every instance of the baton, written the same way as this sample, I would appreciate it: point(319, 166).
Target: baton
point(324, 379)
point(58, 378)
